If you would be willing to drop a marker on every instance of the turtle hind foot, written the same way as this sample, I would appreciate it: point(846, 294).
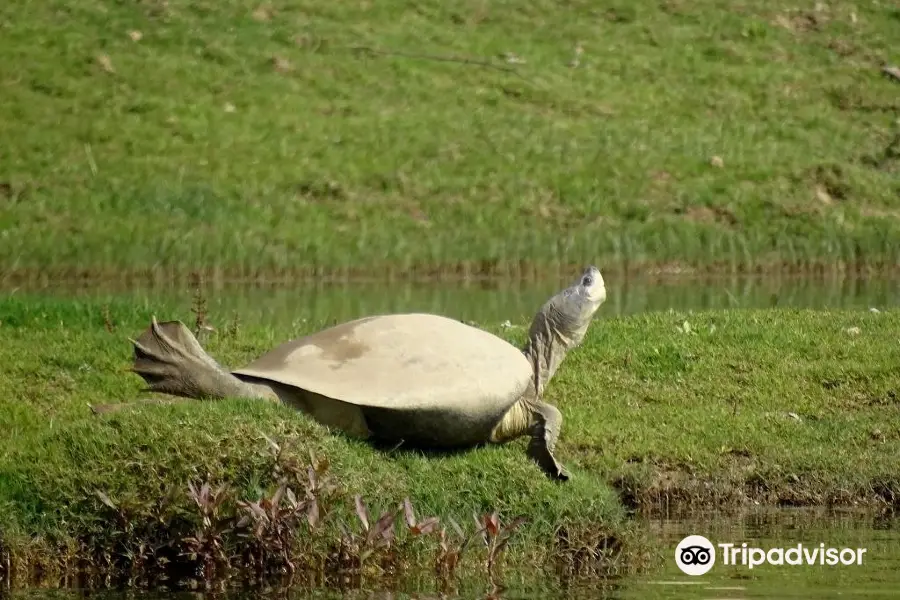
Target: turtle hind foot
point(540, 454)
point(171, 361)
point(545, 431)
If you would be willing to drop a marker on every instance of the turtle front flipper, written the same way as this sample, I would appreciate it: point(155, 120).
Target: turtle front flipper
point(545, 428)
point(170, 359)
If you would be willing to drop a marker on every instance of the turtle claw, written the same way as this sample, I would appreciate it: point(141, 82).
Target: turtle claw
point(547, 423)
point(541, 454)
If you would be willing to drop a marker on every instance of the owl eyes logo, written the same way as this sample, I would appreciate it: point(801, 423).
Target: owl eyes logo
point(695, 555)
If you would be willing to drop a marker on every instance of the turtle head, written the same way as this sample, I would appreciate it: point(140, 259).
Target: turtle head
point(570, 312)
point(586, 295)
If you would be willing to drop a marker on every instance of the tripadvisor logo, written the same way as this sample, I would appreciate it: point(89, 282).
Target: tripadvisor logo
point(696, 555)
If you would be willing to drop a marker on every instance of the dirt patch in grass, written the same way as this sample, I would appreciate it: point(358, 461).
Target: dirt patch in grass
point(661, 487)
point(801, 21)
point(711, 214)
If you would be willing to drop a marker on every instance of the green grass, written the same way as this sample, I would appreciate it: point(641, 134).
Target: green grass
point(780, 406)
point(655, 412)
point(119, 155)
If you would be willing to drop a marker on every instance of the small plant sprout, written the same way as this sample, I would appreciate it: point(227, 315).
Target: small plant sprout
point(199, 308)
point(273, 525)
point(424, 527)
point(207, 545)
point(496, 536)
point(450, 552)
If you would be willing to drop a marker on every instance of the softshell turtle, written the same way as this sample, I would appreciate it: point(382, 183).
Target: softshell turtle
point(417, 379)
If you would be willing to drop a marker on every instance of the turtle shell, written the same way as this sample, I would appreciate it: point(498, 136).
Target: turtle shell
point(405, 362)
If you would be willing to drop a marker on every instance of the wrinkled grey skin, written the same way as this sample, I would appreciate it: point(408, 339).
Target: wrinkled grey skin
point(170, 359)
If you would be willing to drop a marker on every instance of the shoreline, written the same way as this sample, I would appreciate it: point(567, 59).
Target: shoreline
point(465, 273)
point(597, 555)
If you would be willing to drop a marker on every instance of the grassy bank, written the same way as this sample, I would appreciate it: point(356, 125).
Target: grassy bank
point(709, 409)
point(254, 139)
point(112, 492)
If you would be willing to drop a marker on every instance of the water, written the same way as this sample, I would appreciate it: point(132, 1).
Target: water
point(493, 302)
point(877, 577)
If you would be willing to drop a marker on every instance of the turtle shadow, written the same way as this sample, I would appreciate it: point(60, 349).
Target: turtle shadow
point(394, 449)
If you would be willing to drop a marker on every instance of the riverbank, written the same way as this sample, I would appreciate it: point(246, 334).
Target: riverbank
point(704, 409)
point(300, 139)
